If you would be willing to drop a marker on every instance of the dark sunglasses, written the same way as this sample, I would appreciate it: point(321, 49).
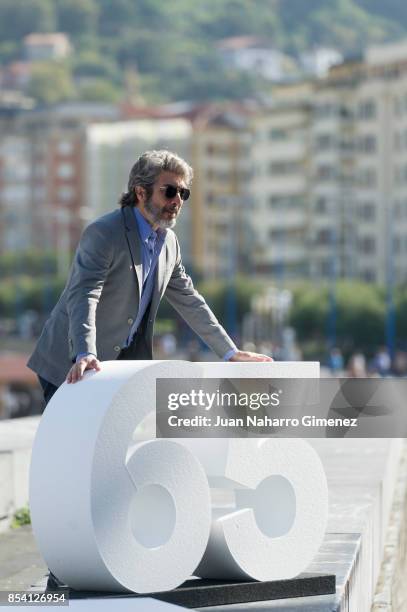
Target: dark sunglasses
point(170, 191)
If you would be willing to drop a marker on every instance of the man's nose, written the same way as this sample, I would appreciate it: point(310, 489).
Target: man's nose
point(177, 199)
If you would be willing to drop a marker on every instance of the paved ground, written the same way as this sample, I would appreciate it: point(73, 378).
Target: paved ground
point(21, 565)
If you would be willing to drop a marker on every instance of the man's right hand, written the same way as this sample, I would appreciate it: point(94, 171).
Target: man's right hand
point(88, 362)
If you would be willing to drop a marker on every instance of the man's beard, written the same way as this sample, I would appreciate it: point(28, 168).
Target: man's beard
point(157, 214)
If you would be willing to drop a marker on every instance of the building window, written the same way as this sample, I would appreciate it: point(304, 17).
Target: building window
point(347, 144)
point(326, 110)
point(277, 235)
point(40, 171)
point(278, 134)
point(39, 193)
point(367, 211)
point(327, 266)
point(216, 149)
point(66, 193)
point(326, 172)
point(367, 177)
point(285, 167)
point(367, 109)
point(324, 142)
point(279, 202)
point(369, 276)
point(367, 144)
point(321, 205)
point(397, 107)
point(65, 147)
point(15, 194)
point(324, 236)
point(367, 245)
point(346, 112)
point(65, 171)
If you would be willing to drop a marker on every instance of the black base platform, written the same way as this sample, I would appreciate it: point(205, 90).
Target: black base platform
point(200, 593)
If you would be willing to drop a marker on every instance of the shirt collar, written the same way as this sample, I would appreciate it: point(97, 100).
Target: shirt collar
point(144, 228)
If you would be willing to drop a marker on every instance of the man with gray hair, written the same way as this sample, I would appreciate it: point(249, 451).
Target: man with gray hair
point(125, 263)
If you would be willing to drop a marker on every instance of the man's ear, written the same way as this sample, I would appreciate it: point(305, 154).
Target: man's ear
point(140, 193)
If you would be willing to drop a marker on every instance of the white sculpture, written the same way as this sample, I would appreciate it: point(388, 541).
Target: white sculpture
point(111, 512)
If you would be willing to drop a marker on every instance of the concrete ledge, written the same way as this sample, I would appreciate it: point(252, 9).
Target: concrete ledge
point(391, 591)
point(363, 478)
point(6, 484)
point(16, 439)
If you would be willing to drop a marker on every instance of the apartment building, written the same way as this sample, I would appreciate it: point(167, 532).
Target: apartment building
point(42, 171)
point(222, 204)
point(331, 235)
point(359, 195)
point(280, 185)
point(382, 165)
point(330, 174)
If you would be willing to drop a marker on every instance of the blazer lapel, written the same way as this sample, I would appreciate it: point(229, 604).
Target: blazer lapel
point(133, 242)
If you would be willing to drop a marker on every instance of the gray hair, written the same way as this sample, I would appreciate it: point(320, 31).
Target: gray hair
point(146, 170)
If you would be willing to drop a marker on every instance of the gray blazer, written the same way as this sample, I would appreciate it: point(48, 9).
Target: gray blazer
point(101, 298)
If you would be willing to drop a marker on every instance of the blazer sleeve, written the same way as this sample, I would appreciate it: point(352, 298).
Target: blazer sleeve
point(182, 295)
point(92, 261)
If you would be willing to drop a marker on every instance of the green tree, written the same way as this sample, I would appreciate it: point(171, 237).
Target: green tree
point(51, 82)
point(21, 17)
point(360, 315)
point(309, 312)
point(215, 293)
point(114, 15)
point(173, 44)
point(92, 64)
point(9, 51)
point(31, 293)
point(100, 90)
point(77, 17)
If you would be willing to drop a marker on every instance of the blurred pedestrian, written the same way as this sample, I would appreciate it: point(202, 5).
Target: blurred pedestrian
point(382, 362)
point(335, 360)
point(357, 366)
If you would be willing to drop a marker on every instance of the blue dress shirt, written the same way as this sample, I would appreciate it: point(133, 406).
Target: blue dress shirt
point(151, 245)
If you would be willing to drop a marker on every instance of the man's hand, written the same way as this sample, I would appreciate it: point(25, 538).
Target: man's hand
point(89, 362)
point(249, 356)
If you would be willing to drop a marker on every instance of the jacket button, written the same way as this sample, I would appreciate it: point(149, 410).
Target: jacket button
point(116, 348)
point(130, 321)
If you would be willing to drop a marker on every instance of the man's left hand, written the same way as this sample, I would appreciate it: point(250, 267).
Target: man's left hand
point(249, 356)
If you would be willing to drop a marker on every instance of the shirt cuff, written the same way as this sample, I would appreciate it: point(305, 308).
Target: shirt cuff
point(80, 355)
point(230, 354)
